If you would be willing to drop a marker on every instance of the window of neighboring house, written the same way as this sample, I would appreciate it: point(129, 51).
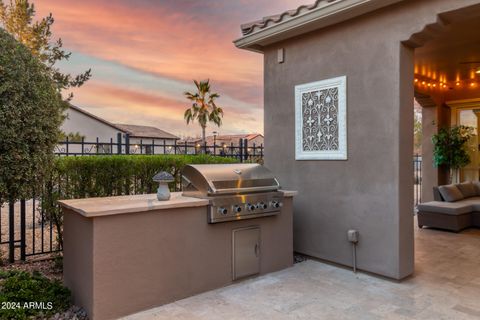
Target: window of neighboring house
point(104, 148)
point(148, 149)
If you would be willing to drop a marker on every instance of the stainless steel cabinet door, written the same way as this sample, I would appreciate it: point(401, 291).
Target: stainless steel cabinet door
point(246, 252)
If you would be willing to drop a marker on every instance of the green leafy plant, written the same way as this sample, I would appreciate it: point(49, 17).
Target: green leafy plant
point(71, 136)
point(450, 148)
point(204, 108)
point(17, 17)
point(19, 289)
point(31, 112)
point(112, 175)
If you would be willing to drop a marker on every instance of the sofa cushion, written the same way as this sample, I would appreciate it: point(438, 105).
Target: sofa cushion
point(468, 189)
point(450, 193)
point(452, 208)
point(477, 187)
point(474, 202)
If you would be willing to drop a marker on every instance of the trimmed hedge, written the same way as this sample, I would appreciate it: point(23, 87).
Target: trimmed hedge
point(100, 176)
point(112, 175)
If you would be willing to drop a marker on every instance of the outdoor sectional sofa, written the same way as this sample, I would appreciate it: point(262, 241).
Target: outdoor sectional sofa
point(455, 207)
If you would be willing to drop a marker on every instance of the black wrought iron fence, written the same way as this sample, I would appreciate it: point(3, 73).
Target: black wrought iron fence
point(26, 230)
point(241, 150)
point(417, 179)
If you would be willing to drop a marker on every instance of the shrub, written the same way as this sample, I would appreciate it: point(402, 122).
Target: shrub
point(19, 288)
point(31, 112)
point(450, 148)
point(112, 175)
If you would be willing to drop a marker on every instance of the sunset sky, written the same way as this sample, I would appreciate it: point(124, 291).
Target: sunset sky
point(145, 53)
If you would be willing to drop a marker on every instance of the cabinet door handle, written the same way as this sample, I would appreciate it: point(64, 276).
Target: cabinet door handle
point(257, 249)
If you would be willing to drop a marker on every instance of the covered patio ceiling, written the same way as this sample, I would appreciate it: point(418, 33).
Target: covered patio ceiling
point(452, 59)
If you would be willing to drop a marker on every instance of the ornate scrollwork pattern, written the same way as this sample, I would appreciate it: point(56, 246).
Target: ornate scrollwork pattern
point(320, 120)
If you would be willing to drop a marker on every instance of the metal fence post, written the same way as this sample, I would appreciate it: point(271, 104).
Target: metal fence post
point(245, 149)
point(23, 244)
point(240, 149)
point(66, 146)
point(83, 145)
point(119, 143)
point(11, 230)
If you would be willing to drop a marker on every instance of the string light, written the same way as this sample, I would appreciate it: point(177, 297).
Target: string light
point(431, 84)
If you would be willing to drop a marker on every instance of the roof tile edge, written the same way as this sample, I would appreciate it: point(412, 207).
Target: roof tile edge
point(322, 13)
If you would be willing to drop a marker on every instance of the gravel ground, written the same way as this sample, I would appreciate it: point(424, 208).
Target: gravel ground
point(35, 238)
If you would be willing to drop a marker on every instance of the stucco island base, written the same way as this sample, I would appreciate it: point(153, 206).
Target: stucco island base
point(127, 254)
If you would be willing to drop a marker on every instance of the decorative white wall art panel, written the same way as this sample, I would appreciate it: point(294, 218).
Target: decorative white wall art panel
point(321, 120)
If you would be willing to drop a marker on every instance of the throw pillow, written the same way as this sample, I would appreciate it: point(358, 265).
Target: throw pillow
point(450, 193)
point(467, 188)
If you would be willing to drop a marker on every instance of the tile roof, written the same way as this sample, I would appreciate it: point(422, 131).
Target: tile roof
point(268, 21)
point(145, 132)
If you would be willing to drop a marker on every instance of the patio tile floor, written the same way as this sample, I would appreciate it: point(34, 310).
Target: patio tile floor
point(446, 285)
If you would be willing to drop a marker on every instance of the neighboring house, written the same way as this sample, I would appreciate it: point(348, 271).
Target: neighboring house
point(149, 139)
point(102, 136)
point(227, 141)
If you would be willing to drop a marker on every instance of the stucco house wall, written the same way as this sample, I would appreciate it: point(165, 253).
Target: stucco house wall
point(87, 126)
point(372, 191)
point(92, 128)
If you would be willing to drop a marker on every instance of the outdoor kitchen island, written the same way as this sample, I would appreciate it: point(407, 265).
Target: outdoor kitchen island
point(130, 253)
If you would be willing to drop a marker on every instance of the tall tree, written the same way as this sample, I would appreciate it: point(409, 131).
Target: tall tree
point(203, 107)
point(17, 18)
point(31, 112)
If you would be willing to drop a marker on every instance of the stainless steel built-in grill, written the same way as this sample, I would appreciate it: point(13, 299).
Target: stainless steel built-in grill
point(235, 191)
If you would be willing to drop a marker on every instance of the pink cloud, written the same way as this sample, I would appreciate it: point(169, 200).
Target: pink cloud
point(179, 39)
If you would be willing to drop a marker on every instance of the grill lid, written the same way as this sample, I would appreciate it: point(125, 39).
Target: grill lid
point(211, 179)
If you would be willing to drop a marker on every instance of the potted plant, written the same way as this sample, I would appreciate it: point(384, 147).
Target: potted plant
point(450, 148)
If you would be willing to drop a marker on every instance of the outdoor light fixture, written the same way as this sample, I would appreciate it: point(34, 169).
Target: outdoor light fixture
point(163, 178)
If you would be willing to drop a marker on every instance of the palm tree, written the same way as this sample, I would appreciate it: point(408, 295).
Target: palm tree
point(203, 107)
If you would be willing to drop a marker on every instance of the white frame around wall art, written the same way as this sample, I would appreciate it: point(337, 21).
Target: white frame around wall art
point(321, 120)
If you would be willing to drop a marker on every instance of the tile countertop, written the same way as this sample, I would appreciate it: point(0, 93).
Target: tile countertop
point(96, 207)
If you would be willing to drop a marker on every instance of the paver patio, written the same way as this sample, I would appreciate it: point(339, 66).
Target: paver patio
point(446, 285)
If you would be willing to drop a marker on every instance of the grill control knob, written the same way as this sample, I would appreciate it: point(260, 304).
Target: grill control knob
point(237, 208)
point(275, 204)
point(222, 210)
point(250, 207)
point(262, 205)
